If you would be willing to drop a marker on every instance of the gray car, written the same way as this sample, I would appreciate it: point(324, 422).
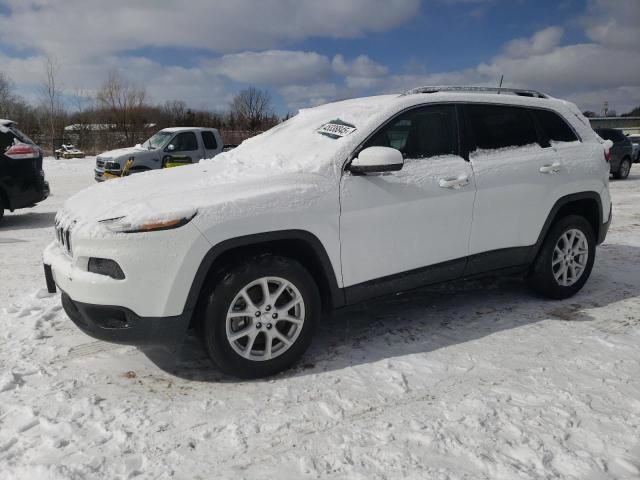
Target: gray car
point(168, 147)
point(620, 152)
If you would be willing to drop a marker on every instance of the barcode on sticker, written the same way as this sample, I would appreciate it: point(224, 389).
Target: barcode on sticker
point(336, 129)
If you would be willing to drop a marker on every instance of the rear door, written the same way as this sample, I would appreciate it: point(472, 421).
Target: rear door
point(517, 180)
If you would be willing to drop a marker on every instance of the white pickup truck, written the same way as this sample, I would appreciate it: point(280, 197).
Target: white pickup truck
point(169, 147)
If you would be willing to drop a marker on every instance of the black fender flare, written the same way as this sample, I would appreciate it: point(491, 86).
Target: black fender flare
point(561, 202)
point(218, 250)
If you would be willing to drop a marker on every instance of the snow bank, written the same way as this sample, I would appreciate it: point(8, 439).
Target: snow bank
point(481, 380)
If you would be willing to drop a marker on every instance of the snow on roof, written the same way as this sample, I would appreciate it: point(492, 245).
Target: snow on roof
point(182, 129)
point(97, 126)
point(4, 124)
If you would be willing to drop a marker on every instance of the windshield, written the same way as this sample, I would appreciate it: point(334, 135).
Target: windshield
point(158, 140)
point(310, 141)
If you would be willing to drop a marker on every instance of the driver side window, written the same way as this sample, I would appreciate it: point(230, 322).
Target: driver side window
point(184, 142)
point(421, 133)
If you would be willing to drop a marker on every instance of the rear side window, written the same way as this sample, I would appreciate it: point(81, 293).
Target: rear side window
point(499, 126)
point(554, 128)
point(421, 133)
point(209, 140)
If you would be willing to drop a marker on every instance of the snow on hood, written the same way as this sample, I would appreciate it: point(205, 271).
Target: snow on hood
point(291, 160)
point(120, 152)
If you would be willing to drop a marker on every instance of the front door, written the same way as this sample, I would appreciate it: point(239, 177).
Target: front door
point(183, 149)
point(417, 217)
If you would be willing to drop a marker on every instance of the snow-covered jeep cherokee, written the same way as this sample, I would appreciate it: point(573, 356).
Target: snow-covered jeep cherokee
point(342, 203)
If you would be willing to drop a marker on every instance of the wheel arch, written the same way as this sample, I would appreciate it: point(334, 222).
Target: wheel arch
point(300, 245)
point(585, 204)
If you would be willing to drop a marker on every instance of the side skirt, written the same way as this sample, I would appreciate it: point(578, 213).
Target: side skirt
point(504, 261)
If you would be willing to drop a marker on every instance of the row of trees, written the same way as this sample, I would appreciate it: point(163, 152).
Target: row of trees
point(123, 109)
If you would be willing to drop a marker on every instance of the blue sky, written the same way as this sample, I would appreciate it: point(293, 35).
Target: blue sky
point(307, 52)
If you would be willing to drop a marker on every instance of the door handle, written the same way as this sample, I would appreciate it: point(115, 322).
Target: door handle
point(454, 182)
point(552, 168)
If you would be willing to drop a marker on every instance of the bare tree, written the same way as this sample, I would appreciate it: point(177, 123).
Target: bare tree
point(52, 97)
point(251, 108)
point(125, 104)
point(6, 96)
point(176, 111)
point(83, 116)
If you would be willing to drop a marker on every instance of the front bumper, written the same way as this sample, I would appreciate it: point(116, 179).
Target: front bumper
point(102, 175)
point(159, 268)
point(120, 325)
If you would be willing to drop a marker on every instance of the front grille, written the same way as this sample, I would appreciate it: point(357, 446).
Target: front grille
point(63, 234)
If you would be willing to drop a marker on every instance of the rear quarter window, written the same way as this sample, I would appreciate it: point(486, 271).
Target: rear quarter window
point(501, 126)
point(554, 127)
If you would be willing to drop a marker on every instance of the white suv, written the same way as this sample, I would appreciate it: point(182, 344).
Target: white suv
point(342, 203)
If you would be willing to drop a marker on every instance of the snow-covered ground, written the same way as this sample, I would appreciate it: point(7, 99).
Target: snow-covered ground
point(471, 381)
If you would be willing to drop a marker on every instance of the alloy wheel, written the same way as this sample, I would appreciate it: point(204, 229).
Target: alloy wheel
point(570, 257)
point(265, 318)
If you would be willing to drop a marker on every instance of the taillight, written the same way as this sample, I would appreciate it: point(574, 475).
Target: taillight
point(22, 150)
point(607, 156)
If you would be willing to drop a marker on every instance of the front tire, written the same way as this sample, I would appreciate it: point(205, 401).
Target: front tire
point(565, 260)
point(259, 318)
point(623, 169)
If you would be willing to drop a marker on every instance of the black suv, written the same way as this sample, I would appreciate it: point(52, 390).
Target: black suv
point(22, 182)
point(620, 152)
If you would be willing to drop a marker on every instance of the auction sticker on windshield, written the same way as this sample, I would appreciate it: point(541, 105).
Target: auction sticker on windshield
point(336, 129)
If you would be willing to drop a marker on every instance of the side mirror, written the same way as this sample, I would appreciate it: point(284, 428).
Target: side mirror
point(376, 160)
point(171, 147)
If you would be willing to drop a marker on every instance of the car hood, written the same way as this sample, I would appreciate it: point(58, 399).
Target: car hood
point(121, 152)
point(220, 188)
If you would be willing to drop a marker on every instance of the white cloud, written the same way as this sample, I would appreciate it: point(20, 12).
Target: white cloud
point(95, 36)
point(86, 28)
point(273, 67)
point(298, 96)
point(361, 66)
point(614, 23)
point(541, 42)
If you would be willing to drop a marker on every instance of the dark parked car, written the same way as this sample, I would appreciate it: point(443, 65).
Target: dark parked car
point(620, 152)
point(635, 143)
point(22, 182)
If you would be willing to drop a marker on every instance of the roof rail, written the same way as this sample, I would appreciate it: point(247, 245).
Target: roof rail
point(496, 90)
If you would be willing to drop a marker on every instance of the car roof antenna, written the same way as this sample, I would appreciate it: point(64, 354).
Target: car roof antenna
point(500, 86)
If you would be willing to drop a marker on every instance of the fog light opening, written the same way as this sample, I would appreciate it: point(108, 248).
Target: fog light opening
point(105, 266)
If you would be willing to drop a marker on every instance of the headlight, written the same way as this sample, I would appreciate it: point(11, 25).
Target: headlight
point(125, 225)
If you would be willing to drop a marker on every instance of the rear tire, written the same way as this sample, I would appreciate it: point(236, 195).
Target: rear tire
point(1, 208)
point(565, 260)
point(251, 334)
point(623, 169)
